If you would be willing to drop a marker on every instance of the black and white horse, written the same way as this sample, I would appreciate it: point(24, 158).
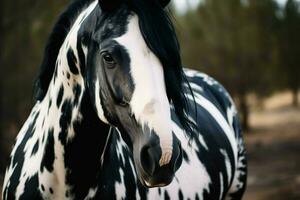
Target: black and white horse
point(117, 117)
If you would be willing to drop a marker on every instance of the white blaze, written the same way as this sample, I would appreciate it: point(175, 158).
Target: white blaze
point(149, 101)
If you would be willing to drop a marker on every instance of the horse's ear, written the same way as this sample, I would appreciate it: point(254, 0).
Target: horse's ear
point(164, 3)
point(109, 5)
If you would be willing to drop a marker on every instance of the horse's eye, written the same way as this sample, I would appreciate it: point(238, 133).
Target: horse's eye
point(123, 102)
point(108, 59)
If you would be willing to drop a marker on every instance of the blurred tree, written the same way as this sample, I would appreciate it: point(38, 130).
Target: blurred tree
point(25, 26)
point(289, 40)
point(233, 41)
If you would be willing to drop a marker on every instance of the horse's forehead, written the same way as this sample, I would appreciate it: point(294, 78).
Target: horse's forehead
point(132, 38)
point(114, 25)
point(143, 62)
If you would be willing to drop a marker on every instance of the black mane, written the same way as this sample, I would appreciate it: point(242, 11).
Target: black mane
point(55, 41)
point(159, 34)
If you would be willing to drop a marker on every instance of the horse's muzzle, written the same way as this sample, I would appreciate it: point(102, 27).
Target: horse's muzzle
point(155, 174)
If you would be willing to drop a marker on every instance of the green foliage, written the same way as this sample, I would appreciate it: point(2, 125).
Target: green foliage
point(231, 40)
point(236, 41)
point(289, 42)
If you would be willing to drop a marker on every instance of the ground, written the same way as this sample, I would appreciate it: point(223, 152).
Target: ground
point(273, 146)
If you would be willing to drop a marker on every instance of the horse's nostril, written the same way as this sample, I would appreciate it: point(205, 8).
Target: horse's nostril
point(150, 157)
point(147, 160)
point(178, 159)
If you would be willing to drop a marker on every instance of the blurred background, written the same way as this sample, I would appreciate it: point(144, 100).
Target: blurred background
point(251, 46)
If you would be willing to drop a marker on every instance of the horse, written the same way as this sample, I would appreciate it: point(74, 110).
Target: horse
point(117, 116)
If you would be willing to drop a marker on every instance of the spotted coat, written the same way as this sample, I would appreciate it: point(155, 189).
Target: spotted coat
point(64, 151)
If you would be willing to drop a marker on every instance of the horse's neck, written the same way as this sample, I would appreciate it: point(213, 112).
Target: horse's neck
point(79, 136)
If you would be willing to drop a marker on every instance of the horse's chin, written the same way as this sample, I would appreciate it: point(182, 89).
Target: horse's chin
point(151, 184)
point(159, 180)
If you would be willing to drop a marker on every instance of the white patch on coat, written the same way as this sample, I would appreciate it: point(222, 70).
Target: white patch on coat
point(119, 149)
point(120, 186)
point(231, 112)
point(99, 108)
point(221, 185)
point(91, 194)
point(149, 102)
point(227, 164)
point(193, 73)
point(195, 87)
point(241, 167)
point(202, 142)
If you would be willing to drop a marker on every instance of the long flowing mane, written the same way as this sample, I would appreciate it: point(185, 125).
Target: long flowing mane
point(59, 32)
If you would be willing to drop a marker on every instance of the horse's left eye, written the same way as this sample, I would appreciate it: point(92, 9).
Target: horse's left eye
point(123, 102)
point(108, 59)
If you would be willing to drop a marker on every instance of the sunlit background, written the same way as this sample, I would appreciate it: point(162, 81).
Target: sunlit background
point(250, 46)
point(182, 6)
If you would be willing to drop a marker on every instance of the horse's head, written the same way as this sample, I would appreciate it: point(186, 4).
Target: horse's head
point(133, 73)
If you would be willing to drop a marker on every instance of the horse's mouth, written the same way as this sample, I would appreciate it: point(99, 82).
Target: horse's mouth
point(161, 180)
point(149, 185)
point(160, 176)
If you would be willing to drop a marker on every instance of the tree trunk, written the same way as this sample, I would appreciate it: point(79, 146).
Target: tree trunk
point(244, 109)
point(295, 97)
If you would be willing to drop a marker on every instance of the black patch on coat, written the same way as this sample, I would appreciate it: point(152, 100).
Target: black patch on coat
point(18, 160)
point(167, 197)
point(65, 120)
point(49, 106)
point(55, 73)
point(83, 152)
point(43, 123)
point(35, 148)
point(60, 96)
point(110, 170)
point(129, 181)
point(67, 194)
point(72, 60)
point(43, 138)
point(77, 93)
point(185, 156)
point(31, 189)
point(180, 195)
point(49, 155)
